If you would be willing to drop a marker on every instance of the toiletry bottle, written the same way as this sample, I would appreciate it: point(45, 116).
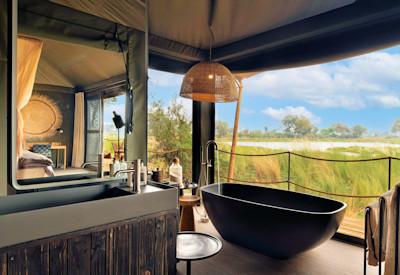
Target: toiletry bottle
point(175, 172)
point(123, 166)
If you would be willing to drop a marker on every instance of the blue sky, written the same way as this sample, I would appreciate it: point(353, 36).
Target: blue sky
point(361, 90)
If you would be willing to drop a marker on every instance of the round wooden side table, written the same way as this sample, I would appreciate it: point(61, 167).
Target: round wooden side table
point(187, 217)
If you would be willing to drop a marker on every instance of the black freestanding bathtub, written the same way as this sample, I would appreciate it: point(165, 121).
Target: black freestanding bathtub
point(275, 222)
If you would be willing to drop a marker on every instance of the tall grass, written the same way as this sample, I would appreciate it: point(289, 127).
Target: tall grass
point(348, 178)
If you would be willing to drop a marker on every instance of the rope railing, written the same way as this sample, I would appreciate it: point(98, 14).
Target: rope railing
point(258, 182)
point(336, 194)
point(343, 160)
point(254, 155)
point(290, 182)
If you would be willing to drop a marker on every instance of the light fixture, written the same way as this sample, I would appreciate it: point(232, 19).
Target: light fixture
point(119, 123)
point(209, 82)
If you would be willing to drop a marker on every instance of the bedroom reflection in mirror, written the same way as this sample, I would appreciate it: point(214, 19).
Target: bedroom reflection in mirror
point(66, 96)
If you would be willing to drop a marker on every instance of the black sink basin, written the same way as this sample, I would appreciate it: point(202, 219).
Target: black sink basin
point(46, 199)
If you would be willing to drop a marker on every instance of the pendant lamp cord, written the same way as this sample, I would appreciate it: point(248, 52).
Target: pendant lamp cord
point(210, 21)
point(211, 43)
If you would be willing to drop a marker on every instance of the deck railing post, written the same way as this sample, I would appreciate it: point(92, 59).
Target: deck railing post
point(288, 175)
point(390, 173)
point(366, 224)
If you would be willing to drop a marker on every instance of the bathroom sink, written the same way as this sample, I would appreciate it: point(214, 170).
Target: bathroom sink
point(40, 200)
point(38, 215)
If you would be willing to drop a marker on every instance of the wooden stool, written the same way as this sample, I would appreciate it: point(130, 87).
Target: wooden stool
point(187, 217)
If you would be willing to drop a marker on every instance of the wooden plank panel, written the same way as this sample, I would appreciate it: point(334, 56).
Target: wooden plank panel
point(16, 262)
point(37, 260)
point(160, 246)
point(58, 257)
point(79, 255)
point(140, 246)
point(3, 264)
point(121, 250)
point(110, 251)
point(30, 260)
point(146, 246)
point(98, 253)
point(134, 248)
point(171, 231)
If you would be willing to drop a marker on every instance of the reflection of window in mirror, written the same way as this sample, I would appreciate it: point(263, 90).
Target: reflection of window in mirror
point(66, 97)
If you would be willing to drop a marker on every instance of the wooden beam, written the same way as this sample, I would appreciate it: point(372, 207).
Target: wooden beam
point(231, 171)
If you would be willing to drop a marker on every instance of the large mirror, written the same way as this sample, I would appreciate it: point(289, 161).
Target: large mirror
point(72, 114)
point(65, 116)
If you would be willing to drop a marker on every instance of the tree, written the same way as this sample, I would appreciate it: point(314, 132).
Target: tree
point(396, 127)
point(327, 132)
point(222, 129)
point(341, 130)
point(358, 130)
point(244, 133)
point(297, 126)
point(170, 133)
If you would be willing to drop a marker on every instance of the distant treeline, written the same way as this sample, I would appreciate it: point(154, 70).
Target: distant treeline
point(300, 126)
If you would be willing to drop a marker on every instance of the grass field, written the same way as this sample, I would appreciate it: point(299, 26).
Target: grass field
point(350, 178)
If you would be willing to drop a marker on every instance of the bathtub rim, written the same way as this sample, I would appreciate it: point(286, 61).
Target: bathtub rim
point(344, 205)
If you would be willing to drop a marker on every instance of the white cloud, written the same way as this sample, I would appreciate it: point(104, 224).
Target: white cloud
point(280, 113)
point(387, 101)
point(164, 79)
point(353, 84)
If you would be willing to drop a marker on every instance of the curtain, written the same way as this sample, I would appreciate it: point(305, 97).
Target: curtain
point(78, 149)
point(28, 55)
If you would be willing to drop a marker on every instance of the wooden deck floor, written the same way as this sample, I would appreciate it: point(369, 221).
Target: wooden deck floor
point(353, 227)
point(331, 258)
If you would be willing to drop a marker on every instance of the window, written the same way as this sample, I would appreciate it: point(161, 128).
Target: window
point(169, 124)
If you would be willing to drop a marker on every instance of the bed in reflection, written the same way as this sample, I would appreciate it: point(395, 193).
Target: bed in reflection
point(34, 165)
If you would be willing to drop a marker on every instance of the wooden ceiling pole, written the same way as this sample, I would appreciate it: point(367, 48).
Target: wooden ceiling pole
point(231, 171)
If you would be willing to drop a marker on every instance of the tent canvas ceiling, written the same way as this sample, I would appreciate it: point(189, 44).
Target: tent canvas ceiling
point(71, 65)
point(187, 22)
point(249, 36)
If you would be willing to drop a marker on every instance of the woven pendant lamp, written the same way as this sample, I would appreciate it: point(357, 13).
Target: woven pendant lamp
point(209, 82)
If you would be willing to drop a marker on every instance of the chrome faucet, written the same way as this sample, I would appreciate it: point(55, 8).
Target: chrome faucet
point(208, 162)
point(133, 180)
point(99, 165)
point(130, 173)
